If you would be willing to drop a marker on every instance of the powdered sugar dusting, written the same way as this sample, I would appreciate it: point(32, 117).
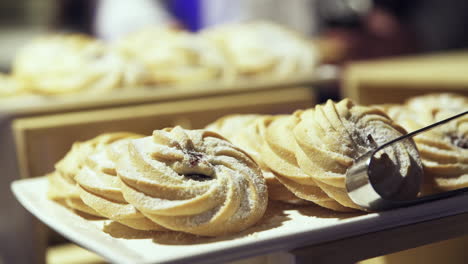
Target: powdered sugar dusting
point(193, 181)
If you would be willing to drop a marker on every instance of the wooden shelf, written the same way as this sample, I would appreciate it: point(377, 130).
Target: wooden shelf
point(72, 254)
point(394, 80)
point(353, 249)
point(33, 105)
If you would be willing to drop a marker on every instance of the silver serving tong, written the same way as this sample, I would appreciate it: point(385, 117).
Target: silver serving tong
point(362, 191)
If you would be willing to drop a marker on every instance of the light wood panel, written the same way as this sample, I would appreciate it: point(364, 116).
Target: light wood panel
point(394, 80)
point(35, 104)
point(42, 141)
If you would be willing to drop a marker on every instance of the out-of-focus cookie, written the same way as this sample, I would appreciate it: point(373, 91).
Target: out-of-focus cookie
point(264, 49)
point(176, 57)
point(10, 86)
point(60, 64)
point(193, 181)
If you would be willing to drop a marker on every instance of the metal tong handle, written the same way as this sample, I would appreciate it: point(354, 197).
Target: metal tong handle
point(361, 189)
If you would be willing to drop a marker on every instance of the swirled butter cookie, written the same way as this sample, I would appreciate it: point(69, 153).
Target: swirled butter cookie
point(175, 56)
point(59, 64)
point(192, 181)
point(62, 181)
point(246, 132)
point(99, 187)
point(331, 136)
point(263, 48)
point(278, 153)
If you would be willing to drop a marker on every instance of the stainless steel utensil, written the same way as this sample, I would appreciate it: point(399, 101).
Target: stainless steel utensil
point(363, 192)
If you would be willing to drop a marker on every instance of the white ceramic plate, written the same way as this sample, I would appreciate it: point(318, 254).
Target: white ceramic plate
point(283, 228)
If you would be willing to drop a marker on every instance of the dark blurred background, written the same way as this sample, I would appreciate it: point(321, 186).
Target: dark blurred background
point(352, 29)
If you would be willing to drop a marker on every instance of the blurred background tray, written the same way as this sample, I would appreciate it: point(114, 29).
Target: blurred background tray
point(393, 80)
point(36, 104)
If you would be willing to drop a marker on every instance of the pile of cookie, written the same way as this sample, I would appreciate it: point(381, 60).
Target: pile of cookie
point(218, 180)
point(158, 57)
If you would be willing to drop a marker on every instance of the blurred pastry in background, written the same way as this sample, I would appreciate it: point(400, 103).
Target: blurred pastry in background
point(164, 56)
point(175, 56)
point(10, 86)
point(59, 64)
point(264, 49)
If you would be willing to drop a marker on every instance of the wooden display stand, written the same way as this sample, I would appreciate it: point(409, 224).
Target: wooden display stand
point(394, 80)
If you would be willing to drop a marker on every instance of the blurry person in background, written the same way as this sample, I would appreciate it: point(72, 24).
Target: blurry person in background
point(366, 29)
point(114, 18)
point(346, 29)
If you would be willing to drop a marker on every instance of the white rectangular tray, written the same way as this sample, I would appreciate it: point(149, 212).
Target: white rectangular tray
point(283, 228)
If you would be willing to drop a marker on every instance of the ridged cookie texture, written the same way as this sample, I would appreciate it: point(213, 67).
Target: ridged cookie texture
point(247, 132)
point(331, 136)
point(192, 181)
point(278, 153)
point(99, 187)
point(62, 181)
point(444, 149)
